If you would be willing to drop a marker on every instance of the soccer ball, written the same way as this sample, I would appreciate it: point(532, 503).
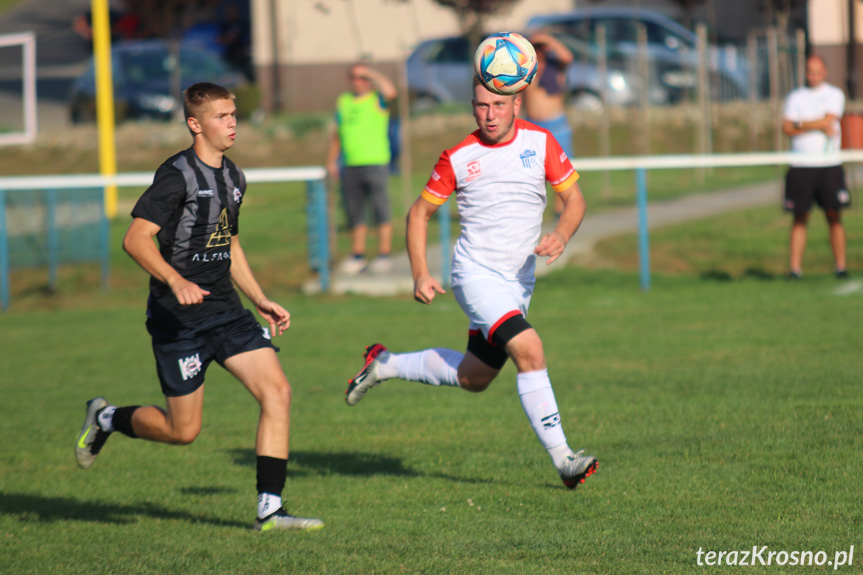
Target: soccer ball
point(505, 63)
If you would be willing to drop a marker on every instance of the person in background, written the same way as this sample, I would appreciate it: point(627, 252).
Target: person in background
point(811, 120)
point(545, 97)
point(361, 143)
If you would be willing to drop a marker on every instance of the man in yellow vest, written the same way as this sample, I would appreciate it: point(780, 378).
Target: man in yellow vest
point(361, 142)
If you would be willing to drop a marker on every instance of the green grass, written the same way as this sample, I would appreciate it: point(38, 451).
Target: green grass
point(751, 243)
point(725, 410)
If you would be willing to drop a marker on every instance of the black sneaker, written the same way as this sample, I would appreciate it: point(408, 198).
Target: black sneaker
point(92, 438)
point(842, 274)
point(795, 275)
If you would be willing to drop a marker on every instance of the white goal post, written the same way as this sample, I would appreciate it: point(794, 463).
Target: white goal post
point(27, 41)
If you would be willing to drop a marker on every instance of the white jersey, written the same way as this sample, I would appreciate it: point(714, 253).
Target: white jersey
point(501, 197)
point(809, 104)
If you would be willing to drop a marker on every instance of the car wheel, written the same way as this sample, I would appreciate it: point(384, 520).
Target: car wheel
point(423, 103)
point(82, 114)
point(587, 101)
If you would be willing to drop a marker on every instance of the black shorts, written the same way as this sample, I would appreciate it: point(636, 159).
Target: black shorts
point(493, 353)
point(184, 353)
point(824, 185)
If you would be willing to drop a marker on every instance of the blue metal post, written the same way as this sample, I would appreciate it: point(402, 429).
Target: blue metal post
point(53, 238)
point(643, 242)
point(445, 245)
point(4, 254)
point(318, 197)
point(105, 241)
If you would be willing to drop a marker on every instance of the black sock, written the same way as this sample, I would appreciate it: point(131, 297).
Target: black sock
point(272, 474)
point(122, 420)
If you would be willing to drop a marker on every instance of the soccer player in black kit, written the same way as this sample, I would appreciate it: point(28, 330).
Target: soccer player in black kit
point(194, 314)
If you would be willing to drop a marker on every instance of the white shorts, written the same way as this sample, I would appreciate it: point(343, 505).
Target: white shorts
point(488, 299)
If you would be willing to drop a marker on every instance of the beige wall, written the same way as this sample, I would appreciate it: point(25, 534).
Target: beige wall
point(316, 39)
point(828, 22)
point(828, 37)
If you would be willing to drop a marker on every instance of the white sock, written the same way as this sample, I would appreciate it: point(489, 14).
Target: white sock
point(559, 454)
point(537, 399)
point(105, 419)
point(437, 366)
point(268, 503)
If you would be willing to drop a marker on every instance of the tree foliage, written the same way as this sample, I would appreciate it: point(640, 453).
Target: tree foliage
point(778, 12)
point(167, 18)
point(471, 14)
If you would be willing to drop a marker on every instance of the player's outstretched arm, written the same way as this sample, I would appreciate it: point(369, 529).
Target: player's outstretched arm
point(425, 286)
point(574, 207)
point(276, 316)
point(138, 243)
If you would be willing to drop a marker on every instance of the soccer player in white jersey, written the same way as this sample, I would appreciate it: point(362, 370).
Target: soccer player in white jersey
point(499, 175)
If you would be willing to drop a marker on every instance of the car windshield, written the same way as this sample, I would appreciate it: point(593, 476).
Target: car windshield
point(145, 66)
point(142, 66)
point(450, 50)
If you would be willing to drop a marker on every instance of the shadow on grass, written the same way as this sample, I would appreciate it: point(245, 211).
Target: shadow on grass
point(28, 507)
point(342, 463)
point(717, 275)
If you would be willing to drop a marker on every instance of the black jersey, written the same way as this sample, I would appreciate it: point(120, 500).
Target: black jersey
point(197, 208)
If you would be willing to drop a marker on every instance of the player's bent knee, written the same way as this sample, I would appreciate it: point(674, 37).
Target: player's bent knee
point(475, 384)
point(480, 365)
point(277, 395)
point(527, 352)
point(185, 436)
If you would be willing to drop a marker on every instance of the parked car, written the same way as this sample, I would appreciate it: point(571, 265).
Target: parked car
point(672, 50)
point(441, 71)
point(141, 72)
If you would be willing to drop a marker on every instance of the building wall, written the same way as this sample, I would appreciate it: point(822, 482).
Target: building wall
point(828, 38)
point(310, 42)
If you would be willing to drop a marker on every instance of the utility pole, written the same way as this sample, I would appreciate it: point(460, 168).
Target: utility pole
point(851, 57)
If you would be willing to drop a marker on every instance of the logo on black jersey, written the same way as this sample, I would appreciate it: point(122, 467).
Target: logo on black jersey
point(222, 235)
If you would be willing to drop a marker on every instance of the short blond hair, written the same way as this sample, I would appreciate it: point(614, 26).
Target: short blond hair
point(196, 96)
point(478, 82)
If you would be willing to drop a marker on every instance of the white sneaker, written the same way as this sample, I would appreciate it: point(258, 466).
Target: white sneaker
point(577, 468)
point(281, 519)
point(352, 266)
point(381, 265)
point(368, 377)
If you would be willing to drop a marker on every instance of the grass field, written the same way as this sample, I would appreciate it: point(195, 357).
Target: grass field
point(725, 409)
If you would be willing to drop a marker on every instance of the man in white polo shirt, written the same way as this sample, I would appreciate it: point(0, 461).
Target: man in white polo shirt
point(811, 120)
point(498, 174)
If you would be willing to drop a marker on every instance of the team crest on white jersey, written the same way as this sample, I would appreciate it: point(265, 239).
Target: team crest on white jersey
point(528, 159)
point(473, 171)
point(190, 366)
